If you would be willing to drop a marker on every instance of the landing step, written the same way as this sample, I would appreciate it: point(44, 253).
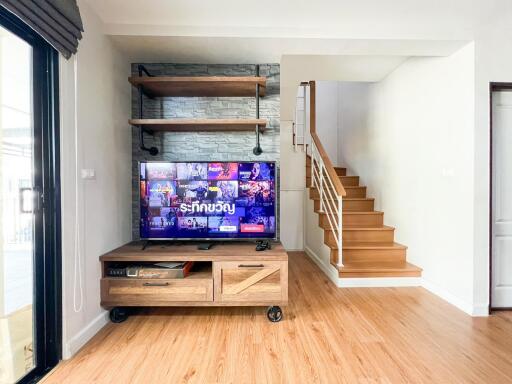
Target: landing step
point(379, 269)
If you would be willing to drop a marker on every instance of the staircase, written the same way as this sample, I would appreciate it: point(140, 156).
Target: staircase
point(347, 215)
point(368, 246)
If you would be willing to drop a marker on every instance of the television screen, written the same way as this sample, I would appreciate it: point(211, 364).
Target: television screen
point(216, 200)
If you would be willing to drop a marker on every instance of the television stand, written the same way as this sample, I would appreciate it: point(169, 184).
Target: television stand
point(229, 274)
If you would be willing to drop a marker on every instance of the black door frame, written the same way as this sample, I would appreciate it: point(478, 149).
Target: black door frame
point(47, 239)
point(493, 87)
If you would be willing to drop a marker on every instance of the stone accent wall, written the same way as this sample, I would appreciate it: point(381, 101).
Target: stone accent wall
point(206, 146)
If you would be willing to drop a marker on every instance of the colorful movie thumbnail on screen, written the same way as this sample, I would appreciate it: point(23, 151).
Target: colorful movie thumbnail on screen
point(256, 193)
point(161, 193)
point(258, 220)
point(256, 171)
point(192, 171)
point(222, 171)
point(158, 171)
point(193, 223)
point(223, 190)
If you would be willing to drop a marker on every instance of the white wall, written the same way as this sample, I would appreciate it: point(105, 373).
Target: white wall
point(327, 117)
point(104, 144)
point(295, 69)
point(414, 151)
point(493, 64)
point(352, 111)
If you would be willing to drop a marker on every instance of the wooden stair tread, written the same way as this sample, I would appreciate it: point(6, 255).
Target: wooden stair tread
point(362, 213)
point(350, 199)
point(367, 245)
point(357, 228)
point(379, 267)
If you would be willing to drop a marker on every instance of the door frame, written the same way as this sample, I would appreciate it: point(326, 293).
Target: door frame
point(493, 87)
point(47, 240)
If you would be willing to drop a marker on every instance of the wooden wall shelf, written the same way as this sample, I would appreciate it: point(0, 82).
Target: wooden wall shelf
point(211, 86)
point(190, 125)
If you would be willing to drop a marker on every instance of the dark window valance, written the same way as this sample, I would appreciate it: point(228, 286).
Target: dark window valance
point(57, 21)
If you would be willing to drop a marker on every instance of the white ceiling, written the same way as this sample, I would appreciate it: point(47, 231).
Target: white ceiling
point(229, 31)
point(227, 50)
point(346, 19)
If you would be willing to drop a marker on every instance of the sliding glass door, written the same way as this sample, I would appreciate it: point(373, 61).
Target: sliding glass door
point(16, 209)
point(29, 251)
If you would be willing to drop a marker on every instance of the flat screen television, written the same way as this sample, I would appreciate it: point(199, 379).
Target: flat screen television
point(207, 200)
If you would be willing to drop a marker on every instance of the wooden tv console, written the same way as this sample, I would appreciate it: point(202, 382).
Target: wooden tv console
point(228, 274)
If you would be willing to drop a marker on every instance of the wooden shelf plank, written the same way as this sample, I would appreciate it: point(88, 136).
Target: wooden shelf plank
point(211, 86)
point(189, 125)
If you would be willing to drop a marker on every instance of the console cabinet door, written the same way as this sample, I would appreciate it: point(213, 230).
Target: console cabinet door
point(251, 282)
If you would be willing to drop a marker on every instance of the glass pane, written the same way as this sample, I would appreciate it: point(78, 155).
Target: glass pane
point(16, 201)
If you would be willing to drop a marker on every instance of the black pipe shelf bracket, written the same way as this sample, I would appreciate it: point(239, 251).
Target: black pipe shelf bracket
point(257, 149)
point(142, 91)
point(153, 151)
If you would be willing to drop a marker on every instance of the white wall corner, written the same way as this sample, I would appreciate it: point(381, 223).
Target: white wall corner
point(81, 338)
point(469, 308)
point(327, 268)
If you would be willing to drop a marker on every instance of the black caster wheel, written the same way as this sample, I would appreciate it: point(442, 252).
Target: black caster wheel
point(118, 314)
point(274, 314)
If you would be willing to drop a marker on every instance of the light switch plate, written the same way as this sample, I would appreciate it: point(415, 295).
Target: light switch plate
point(88, 174)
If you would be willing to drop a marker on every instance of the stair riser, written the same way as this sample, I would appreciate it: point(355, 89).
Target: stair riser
point(380, 274)
point(323, 222)
point(370, 220)
point(367, 221)
point(350, 181)
point(377, 236)
point(356, 192)
point(339, 171)
point(315, 194)
point(372, 255)
point(358, 205)
point(317, 206)
point(386, 236)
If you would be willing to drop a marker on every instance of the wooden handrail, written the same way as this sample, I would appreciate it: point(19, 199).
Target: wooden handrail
point(338, 186)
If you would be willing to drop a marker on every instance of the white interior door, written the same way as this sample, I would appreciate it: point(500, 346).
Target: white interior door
point(501, 295)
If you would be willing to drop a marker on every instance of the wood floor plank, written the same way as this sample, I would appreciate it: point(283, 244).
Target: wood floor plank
point(328, 335)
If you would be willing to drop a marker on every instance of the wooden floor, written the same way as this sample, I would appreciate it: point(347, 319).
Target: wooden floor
point(328, 335)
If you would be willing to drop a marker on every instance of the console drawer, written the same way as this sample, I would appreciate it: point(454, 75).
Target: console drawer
point(154, 292)
point(251, 282)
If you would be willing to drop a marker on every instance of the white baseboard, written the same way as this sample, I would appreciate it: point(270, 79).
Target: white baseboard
point(329, 270)
point(81, 338)
point(332, 274)
point(469, 308)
